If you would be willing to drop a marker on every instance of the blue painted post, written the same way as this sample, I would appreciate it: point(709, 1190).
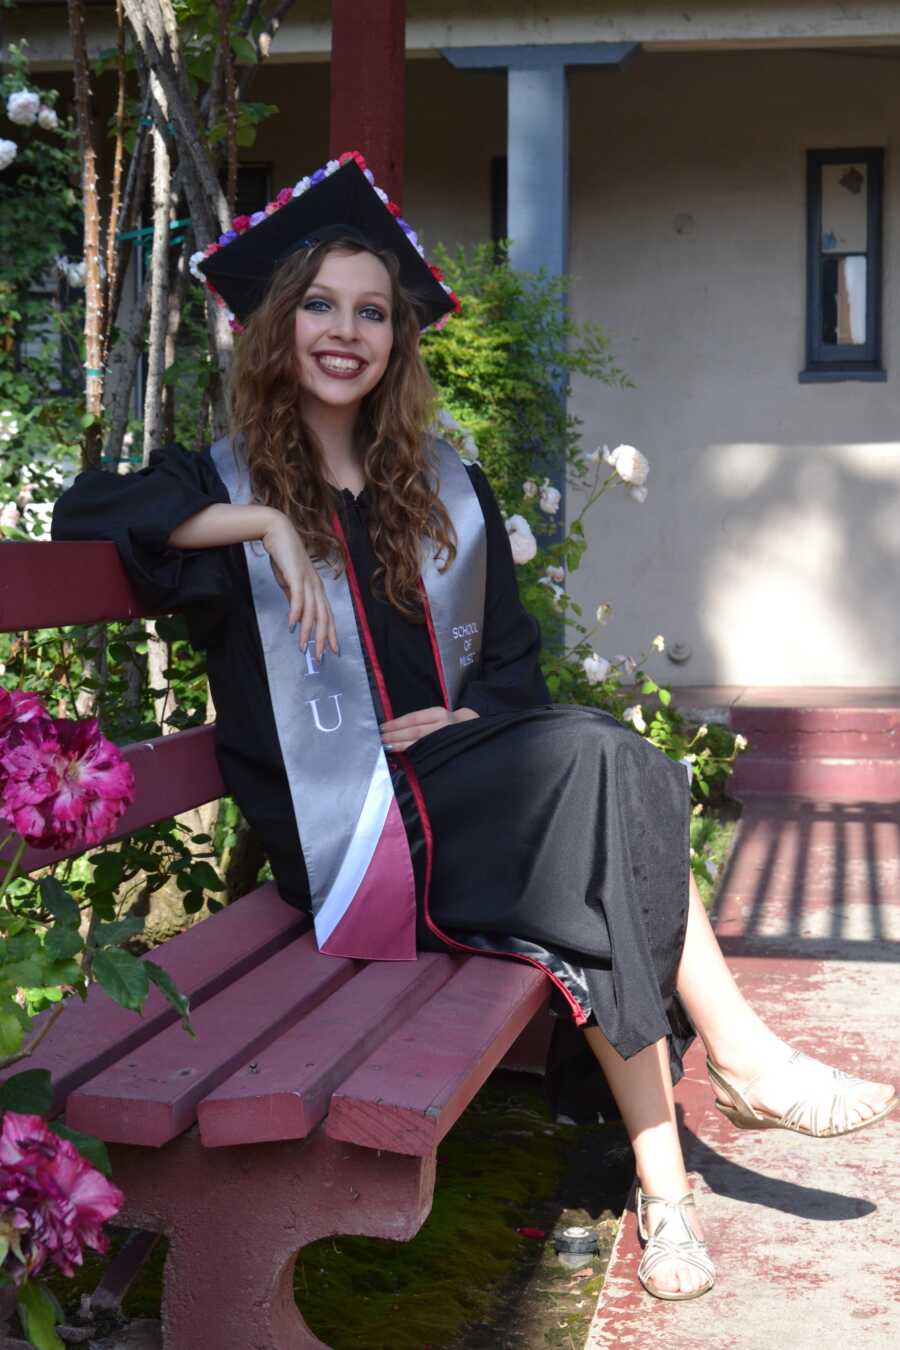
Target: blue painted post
point(538, 167)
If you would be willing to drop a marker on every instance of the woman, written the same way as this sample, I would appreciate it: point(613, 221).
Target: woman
point(381, 717)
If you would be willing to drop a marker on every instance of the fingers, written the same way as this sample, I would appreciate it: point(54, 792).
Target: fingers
point(402, 732)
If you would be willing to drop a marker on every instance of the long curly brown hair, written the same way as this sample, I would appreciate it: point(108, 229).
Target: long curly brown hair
point(285, 459)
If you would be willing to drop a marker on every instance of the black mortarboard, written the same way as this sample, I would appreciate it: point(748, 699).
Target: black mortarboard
point(333, 203)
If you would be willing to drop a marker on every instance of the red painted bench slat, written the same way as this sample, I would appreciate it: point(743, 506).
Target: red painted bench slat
point(172, 774)
point(287, 1093)
point(410, 1091)
point(96, 588)
point(151, 1096)
point(202, 961)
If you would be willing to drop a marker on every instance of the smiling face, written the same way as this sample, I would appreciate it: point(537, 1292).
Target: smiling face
point(343, 330)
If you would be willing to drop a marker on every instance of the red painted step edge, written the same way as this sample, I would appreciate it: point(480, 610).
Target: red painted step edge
point(817, 777)
point(287, 1090)
point(409, 1092)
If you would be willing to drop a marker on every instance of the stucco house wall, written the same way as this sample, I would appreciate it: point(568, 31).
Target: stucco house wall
point(770, 541)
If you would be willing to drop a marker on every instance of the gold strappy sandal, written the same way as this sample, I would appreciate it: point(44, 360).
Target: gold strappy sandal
point(822, 1106)
point(680, 1244)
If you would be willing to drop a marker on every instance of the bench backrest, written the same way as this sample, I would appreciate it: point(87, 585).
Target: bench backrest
point(52, 585)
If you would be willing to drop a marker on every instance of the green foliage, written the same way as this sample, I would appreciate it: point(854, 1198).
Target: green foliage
point(500, 368)
point(41, 317)
point(39, 1311)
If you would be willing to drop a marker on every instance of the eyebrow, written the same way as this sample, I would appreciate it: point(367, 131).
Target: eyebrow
point(320, 285)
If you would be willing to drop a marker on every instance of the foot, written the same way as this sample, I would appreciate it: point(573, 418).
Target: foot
point(773, 1079)
point(668, 1273)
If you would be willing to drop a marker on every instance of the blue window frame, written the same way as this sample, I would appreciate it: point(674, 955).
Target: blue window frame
point(845, 189)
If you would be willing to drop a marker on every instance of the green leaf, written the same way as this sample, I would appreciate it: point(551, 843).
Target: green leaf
point(88, 1146)
point(29, 1092)
point(244, 50)
point(59, 902)
point(108, 870)
point(167, 986)
point(39, 1312)
point(204, 876)
point(62, 942)
point(10, 1033)
point(111, 934)
point(193, 902)
point(649, 687)
point(123, 977)
point(665, 697)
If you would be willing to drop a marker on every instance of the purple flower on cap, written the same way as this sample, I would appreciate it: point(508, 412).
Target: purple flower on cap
point(368, 174)
point(317, 176)
point(227, 237)
point(257, 217)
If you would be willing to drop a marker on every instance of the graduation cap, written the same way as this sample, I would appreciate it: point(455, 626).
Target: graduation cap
point(339, 201)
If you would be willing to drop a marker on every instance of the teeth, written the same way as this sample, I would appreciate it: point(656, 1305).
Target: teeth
point(341, 363)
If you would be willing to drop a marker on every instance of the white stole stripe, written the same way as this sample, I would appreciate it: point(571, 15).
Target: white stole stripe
point(359, 852)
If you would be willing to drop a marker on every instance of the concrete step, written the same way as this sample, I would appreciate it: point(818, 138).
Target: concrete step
point(840, 732)
point(872, 778)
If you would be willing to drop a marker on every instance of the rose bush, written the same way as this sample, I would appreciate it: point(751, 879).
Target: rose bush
point(500, 368)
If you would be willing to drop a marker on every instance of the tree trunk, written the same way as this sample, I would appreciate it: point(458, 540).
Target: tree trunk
point(94, 297)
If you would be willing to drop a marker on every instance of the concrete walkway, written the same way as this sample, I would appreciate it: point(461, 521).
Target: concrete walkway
point(805, 1233)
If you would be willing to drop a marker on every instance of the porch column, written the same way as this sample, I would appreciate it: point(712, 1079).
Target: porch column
point(368, 82)
point(537, 138)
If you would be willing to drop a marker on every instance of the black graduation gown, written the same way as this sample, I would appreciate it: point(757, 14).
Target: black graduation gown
point(560, 836)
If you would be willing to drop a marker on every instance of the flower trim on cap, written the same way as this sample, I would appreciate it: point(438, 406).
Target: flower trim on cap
point(241, 224)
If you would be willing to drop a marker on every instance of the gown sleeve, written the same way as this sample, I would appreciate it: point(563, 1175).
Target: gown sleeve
point(510, 679)
point(138, 512)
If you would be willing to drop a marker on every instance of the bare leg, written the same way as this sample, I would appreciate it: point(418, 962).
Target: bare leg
point(736, 1038)
point(642, 1087)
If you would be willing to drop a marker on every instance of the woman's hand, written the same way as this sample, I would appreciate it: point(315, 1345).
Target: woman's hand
point(403, 732)
point(301, 583)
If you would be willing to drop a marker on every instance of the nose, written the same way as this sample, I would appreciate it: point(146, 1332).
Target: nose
point(344, 323)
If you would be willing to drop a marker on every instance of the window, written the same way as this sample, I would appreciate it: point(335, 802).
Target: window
point(843, 303)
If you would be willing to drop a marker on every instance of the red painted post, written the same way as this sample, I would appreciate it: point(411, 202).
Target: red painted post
point(368, 81)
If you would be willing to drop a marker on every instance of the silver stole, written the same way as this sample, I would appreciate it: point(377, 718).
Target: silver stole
point(352, 833)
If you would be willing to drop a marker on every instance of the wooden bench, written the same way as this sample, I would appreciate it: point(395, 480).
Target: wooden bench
point(315, 1094)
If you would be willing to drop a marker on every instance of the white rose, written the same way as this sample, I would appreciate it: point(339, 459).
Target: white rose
point(194, 265)
point(48, 119)
point(556, 573)
point(594, 456)
point(37, 519)
point(521, 539)
point(550, 498)
point(595, 668)
point(638, 494)
point(740, 742)
point(603, 613)
point(23, 106)
point(8, 152)
point(332, 167)
point(630, 464)
point(300, 187)
point(557, 591)
point(9, 425)
point(76, 274)
point(627, 663)
point(128, 440)
point(659, 642)
point(9, 516)
point(529, 488)
point(702, 730)
point(635, 716)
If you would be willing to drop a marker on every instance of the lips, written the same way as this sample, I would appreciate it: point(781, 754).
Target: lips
point(338, 365)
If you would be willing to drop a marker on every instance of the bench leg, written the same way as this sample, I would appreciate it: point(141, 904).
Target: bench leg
point(237, 1217)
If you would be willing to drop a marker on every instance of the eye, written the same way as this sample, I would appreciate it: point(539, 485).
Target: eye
point(373, 312)
point(317, 305)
